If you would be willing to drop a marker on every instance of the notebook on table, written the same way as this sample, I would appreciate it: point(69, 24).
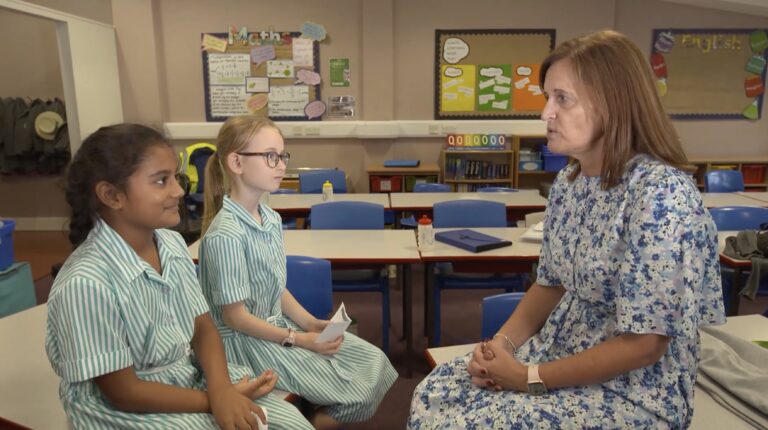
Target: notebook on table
point(471, 240)
point(401, 163)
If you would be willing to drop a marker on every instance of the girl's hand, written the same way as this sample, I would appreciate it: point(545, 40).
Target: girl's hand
point(501, 370)
point(257, 387)
point(317, 326)
point(233, 410)
point(307, 341)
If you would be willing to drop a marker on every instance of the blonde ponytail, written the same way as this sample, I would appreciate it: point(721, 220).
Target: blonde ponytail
point(215, 189)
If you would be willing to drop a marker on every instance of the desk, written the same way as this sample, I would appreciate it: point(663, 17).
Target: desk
point(716, 200)
point(518, 203)
point(521, 253)
point(29, 389)
point(707, 413)
point(300, 204)
point(761, 196)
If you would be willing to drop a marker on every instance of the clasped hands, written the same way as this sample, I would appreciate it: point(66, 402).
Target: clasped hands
point(493, 367)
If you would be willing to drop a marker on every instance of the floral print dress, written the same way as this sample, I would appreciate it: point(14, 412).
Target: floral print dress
point(640, 257)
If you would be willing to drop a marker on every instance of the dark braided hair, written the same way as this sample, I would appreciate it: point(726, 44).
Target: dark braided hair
point(110, 154)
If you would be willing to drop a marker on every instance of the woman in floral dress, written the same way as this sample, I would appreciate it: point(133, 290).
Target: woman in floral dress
point(607, 337)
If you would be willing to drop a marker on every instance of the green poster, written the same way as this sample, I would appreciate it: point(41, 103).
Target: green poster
point(494, 87)
point(339, 72)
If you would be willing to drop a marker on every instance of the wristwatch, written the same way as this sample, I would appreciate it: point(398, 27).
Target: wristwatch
point(290, 340)
point(536, 386)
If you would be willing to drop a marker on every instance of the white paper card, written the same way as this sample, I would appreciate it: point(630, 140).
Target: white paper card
point(503, 80)
point(450, 83)
point(501, 90)
point(522, 83)
point(467, 90)
point(303, 52)
point(336, 327)
point(228, 69)
point(499, 105)
point(486, 84)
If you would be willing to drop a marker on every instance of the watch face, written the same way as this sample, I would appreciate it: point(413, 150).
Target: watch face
point(537, 389)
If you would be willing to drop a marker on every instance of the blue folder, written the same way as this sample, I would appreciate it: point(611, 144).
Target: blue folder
point(401, 163)
point(471, 240)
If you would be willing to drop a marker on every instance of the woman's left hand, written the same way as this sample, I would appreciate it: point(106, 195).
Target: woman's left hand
point(502, 371)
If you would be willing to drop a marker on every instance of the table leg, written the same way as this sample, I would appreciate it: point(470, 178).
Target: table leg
point(408, 316)
point(429, 306)
point(733, 308)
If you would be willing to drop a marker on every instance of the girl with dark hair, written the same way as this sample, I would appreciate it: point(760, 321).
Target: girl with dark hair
point(607, 336)
point(128, 329)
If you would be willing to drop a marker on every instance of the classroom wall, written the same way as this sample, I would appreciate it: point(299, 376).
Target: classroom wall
point(729, 138)
point(390, 44)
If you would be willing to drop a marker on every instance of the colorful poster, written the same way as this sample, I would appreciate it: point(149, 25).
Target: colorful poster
point(340, 72)
point(527, 94)
point(493, 87)
point(458, 88)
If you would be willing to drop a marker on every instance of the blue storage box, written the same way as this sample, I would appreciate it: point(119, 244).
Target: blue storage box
point(6, 242)
point(553, 163)
point(17, 290)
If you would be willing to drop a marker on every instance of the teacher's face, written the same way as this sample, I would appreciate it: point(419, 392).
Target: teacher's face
point(570, 118)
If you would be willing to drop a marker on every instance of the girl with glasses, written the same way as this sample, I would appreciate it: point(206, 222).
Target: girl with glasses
point(243, 274)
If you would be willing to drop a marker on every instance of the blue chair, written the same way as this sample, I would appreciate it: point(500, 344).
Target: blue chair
point(467, 214)
point(311, 182)
point(288, 223)
point(723, 181)
point(737, 218)
point(199, 158)
point(309, 280)
point(497, 310)
point(410, 222)
point(496, 190)
point(357, 216)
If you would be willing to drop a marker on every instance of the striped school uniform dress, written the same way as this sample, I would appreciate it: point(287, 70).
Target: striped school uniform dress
point(109, 310)
point(242, 260)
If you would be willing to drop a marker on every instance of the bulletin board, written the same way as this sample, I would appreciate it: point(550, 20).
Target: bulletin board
point(490, 74)
point(710, 73)
point(275, 78)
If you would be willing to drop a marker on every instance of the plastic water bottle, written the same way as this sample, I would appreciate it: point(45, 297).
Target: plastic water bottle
point(327, 191)
point(425, 233)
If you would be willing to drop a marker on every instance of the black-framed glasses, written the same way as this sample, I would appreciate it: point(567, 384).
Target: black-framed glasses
point(271, 157)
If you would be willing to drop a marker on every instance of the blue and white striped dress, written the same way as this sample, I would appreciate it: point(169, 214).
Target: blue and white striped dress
point(242, 260)
point(109, 310)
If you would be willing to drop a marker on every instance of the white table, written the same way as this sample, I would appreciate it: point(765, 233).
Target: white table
point(708, 414)
point(521, 257)
point(300, 204)
point(761, 196)
point(521, 199)
point(29, 389)
point(716, 200)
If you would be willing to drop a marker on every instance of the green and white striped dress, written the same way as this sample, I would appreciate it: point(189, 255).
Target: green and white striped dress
point(109, 310)
point(242, 260)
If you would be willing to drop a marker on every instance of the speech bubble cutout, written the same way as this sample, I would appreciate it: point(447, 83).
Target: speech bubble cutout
point(261, 54)
point(523, 71)
point(491, 72)
point(307, 77)
point(313, 31)
point(314, 109)
point(453, 72)
point(257, 102)
point(454, 50)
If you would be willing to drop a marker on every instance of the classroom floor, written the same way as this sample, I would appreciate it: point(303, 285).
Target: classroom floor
point(43, 249)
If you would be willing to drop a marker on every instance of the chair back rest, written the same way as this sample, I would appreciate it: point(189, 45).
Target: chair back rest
point(723, 181)
point(496, 311)
point(347, 216)
point(469, 213)
point(738, 217)
point(431, 188)
point(309, 280)
point(311, 182)
point(496, 190)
